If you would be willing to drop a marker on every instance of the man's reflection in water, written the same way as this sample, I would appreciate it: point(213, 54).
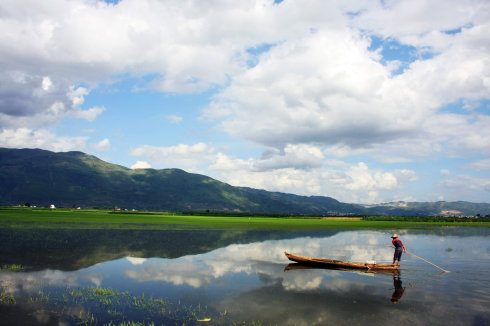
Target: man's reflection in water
point(399, 289)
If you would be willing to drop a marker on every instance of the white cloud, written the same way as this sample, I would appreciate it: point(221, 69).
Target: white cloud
point(141, 165)
point(319, 81)
point(421, 22)
point(293, 156)
point(89, 42)
point(316, 88)
point(299, 169)
point(327, 88)
point(46, 84)
point(184, 156)
point(136, 260)
point(445, 172)
point(322, 88)
point(479, 165)
point(475, 187)
point(90, 114)
point(405, 175)
point(102, 145)
point(174, 119)
point(28, 138)
point(362, 178)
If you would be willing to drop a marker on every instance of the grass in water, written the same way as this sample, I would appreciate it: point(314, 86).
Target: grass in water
point(12, 268)
point(106, 306)
point(7, 298)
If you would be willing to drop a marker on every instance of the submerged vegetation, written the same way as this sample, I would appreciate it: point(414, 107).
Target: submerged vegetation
point(11, 267)
point(102, 306)
point(106, 306)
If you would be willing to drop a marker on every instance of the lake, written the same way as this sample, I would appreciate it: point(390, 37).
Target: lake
point(119, 277)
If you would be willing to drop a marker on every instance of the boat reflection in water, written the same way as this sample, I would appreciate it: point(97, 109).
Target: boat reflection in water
point(399, 289)
point(75, 276)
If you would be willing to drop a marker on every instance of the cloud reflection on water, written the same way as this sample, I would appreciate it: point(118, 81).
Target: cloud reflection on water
point(248, 280)
point(266, 257)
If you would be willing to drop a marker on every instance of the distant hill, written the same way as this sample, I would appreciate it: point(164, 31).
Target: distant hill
point(439, 208)
point(75, 179)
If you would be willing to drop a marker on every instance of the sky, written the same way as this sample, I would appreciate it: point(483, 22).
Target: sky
point(363, 101)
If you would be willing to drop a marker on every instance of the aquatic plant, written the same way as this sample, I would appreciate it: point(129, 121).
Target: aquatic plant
point(7, 298)
point(40, 297)
point(12, 267)
point(106, 306)
point(87, 319)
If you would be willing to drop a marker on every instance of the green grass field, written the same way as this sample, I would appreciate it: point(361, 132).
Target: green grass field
point(100, 219)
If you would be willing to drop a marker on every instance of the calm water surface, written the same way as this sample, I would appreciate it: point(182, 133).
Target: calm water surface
point(99, 277)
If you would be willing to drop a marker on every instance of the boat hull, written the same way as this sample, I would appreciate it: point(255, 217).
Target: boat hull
point(338, 263)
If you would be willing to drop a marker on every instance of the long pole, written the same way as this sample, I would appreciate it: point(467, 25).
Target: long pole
point(445, 271)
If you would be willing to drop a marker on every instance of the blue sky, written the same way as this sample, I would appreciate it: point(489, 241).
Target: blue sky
point(362, 101)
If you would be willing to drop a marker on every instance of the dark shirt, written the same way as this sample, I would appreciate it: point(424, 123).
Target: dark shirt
point(397, 243)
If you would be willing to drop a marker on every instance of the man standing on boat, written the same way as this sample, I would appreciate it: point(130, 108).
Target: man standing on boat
point(399, 248)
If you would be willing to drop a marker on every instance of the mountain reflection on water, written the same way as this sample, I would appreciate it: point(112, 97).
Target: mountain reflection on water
point(71, 249)
point(244, 278)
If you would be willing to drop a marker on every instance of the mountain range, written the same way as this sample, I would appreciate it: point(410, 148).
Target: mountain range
point(75, 179)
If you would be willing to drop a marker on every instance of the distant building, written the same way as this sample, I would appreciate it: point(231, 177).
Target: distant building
point(52, 206)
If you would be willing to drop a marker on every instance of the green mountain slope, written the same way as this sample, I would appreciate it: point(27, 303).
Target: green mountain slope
point(74, 179)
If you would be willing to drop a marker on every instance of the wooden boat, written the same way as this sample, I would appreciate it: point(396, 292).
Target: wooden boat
point(338, 263)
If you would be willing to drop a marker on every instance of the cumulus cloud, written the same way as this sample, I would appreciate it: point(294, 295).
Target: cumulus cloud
point(90, 114)
point(181, 156)
point(301, 157)
point(141, 165)
point(25, 137)
point(420, 22)
point(310, 82)
point(328, 88)
point(320, 81)
point(299, 169)
point(102, 145)
point(30, 100)
point(47, 48)
point(344, 181)
point(313, 92)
